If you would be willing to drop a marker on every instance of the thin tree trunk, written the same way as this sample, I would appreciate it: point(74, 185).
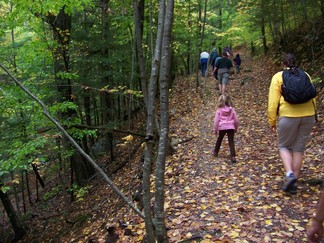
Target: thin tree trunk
point(138, 6)
point(23, 191)
point(150, 125)
point(189, 42)
point(165, 74)
point(202, 36)
point(28, 188)
point(14, 220)
point(14, 188)
point(263, 32)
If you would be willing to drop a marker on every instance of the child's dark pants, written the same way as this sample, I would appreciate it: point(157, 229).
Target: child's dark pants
point(230, 136)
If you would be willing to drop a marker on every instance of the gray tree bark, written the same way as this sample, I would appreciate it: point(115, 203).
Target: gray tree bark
point(165, 74)
point(150, 125)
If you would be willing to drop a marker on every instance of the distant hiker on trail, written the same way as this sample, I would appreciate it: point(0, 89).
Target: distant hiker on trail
point(225, 122)
point(295, 124)
point(315, 228)
point(204, 62)
point(228, 51)
point(222, 68)
point(212, 58)
point(215, 72)
point(237, 62)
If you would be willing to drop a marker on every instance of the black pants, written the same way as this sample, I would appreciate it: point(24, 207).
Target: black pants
point(230, 136)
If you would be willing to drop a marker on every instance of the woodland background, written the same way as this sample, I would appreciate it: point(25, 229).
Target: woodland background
point(82, 78)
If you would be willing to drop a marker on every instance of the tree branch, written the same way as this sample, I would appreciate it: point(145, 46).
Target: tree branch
point(75, 144)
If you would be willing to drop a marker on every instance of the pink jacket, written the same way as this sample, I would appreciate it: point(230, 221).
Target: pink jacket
point(225, 118)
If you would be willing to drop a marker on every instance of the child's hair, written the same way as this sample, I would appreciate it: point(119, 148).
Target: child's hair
point(224, 100)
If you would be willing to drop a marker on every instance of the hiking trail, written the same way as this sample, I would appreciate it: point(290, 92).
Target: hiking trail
point(212, 199)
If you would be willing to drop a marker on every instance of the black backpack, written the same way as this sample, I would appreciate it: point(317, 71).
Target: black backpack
point(296, 87)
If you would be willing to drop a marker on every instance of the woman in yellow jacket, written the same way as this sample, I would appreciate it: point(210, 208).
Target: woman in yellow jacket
point(295, 124)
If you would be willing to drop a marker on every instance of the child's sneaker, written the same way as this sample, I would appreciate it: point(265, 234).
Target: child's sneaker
point(289, 182)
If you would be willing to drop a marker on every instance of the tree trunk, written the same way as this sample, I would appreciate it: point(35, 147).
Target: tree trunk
point(202, 35)
point(61, 25)
point(138, 6)
point(150, 125)
point(263, 34)
point(165, 74)
point(105, 98)
point(189, 42)
point(14, 220)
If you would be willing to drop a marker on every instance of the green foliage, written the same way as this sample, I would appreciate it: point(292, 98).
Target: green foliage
point(65, 75)
point(317, 80)
point(52, 193)
point(4, 189)
point(79, 192)
point(63, 107)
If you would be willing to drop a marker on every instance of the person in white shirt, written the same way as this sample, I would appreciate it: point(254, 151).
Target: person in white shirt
point(204, 56)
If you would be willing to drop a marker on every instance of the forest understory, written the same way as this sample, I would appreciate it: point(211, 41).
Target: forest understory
point(208, 199)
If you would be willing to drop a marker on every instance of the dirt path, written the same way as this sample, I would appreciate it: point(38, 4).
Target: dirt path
point(213, 199)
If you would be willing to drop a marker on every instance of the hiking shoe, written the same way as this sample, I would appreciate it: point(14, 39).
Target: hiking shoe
point(289, 183)
point(293, 189)
point(233, 160)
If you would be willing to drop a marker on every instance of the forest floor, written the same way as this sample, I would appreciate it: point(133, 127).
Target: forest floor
point(208, 199)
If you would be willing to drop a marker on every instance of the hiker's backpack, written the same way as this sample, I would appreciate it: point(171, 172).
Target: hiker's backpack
point(297, 87)
point(213, 56)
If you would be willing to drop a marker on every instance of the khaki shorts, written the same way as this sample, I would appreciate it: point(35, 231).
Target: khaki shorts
point(223, 76)
point(293, 132)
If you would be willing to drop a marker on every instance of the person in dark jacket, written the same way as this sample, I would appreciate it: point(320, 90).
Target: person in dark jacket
point(237, 62)
point(223, 67)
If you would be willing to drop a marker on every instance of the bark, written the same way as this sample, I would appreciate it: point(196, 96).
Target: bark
point(13, 217)
point(150, 125)
point(263, 33)
point(138, 6)
point(201, 30)
point(61, 26)
point(189, 42)
point(105, 98)
point(165, 79)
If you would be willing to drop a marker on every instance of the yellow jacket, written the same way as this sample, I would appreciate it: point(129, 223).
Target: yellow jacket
point(286, 109)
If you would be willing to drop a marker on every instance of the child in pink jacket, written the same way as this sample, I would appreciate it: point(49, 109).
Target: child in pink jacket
point(225, 122)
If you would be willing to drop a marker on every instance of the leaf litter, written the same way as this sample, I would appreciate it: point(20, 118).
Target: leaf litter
point(207, 199)
point(242, 202)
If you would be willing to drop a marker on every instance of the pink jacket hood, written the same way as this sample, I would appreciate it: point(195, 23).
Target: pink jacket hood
point(225, 118)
